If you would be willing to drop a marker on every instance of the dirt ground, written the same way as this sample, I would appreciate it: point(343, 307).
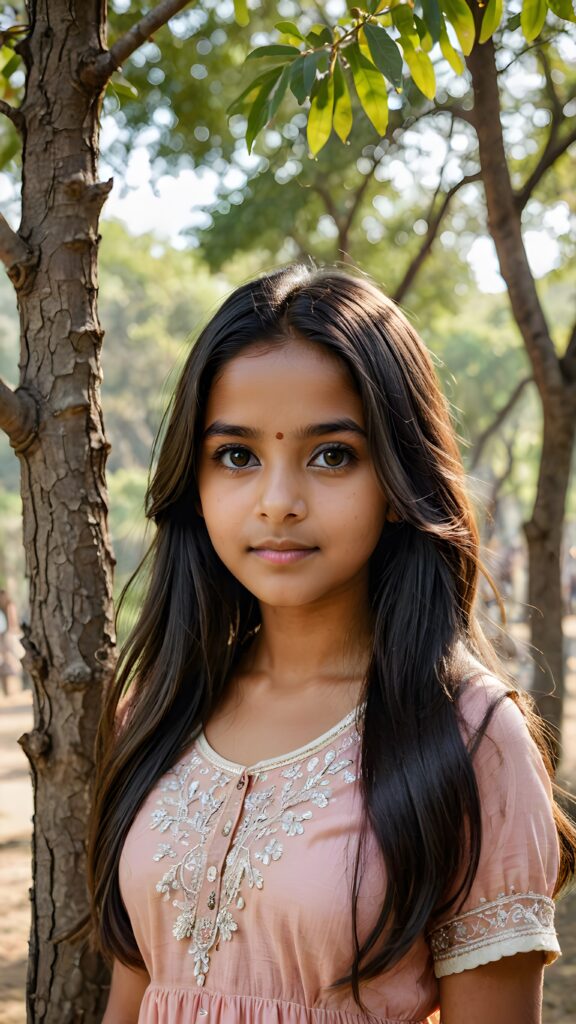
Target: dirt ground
point(15, 827)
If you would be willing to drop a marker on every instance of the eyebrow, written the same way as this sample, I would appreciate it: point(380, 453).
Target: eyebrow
point(340, 426)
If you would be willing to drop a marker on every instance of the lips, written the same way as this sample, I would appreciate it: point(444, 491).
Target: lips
point(282, 545)
point(283, 557)
point(282, 552)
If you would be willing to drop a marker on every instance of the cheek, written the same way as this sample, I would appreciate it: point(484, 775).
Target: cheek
point(359, 511)
point(222, 513)
point(352, 525)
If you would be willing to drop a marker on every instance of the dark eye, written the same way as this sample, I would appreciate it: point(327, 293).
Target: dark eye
point(335, 458)
point(235, 458)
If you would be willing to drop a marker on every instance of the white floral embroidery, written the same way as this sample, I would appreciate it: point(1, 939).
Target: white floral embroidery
point(512, 915)
point(187, 814)
point(273, 851)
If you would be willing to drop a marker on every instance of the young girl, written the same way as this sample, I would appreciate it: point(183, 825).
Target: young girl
point(318, 801)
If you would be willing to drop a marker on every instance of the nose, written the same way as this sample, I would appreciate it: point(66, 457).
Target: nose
point(281, 495)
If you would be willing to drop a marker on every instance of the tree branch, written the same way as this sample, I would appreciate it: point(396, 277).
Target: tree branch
point(521, 53)
point(328, 201)
point(557, 105)
point(433, 226)
point(505, 226)
point(492, 428)
point(97, 71)
point(439, 108)
point(357, 200)
point(571, 349)
point(568, 360)
point(18, 418)
point(553, 149)
point(14, 254)
point(498, 481)
point(14, 115)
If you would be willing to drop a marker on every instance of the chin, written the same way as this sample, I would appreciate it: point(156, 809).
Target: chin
point(283, 596)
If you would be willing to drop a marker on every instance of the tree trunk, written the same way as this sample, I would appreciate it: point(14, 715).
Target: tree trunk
point(554, 379)
point(69, 641)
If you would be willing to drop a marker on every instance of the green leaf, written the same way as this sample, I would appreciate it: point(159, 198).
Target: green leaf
point(385, 54)
point(319, 35)
point(403, 19)
point(246, 97)
point(343, 117)
point(241, 12)
point(11, 66)
point(303, 75)
point(460, 16)
point(562, 9)
point(259, 114)
point(297, 79)
point(6, 55)
point(422, 70)
point(274, 50)
point(370, 86)
point(277, 95)
point(432, 17)
point(426, 41)
point(288, 28)
point(532, 18)
point(491, 20)
point(454, 59)
point(513, 23)
point(320, 116)
point(9, 149)
point(311, 64)
point(122, 87)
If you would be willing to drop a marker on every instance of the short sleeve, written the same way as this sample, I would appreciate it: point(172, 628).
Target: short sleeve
point(509, 908)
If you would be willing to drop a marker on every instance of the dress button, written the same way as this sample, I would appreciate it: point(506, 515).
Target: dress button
point(227, 828)
point(211, 873)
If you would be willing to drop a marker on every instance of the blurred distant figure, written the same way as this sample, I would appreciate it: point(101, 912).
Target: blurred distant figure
point(11, 649)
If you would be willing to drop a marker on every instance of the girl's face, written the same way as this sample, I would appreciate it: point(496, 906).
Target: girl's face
point(287, 488)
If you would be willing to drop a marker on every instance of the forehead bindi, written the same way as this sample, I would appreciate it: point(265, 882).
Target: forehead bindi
point(297, 383)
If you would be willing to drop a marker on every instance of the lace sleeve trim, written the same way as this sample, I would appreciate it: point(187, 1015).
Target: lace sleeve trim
point(514, 923)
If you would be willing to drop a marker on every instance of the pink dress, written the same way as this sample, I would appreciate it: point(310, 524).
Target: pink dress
point(237, 881)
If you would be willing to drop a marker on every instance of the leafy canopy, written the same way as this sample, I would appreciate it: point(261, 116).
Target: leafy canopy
point(371, 51)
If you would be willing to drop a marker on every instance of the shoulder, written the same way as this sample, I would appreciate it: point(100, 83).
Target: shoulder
point(512, 777)
point(487, 706)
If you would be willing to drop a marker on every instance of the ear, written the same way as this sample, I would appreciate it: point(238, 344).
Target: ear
point(392, 516)
point(198, 507)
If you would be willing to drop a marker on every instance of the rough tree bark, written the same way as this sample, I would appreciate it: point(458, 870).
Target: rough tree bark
point(555, 379)
point(69, 641)
point(54, 423)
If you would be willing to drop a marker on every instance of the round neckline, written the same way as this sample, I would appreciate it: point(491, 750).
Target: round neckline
point(280, 759)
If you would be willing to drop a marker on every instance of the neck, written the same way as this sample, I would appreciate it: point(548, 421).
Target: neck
point(300, 650)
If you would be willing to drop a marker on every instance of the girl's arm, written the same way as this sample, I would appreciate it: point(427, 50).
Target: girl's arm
point(507, 991)
point(126, 991)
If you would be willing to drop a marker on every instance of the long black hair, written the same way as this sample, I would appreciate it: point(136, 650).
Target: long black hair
point(419, 789)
